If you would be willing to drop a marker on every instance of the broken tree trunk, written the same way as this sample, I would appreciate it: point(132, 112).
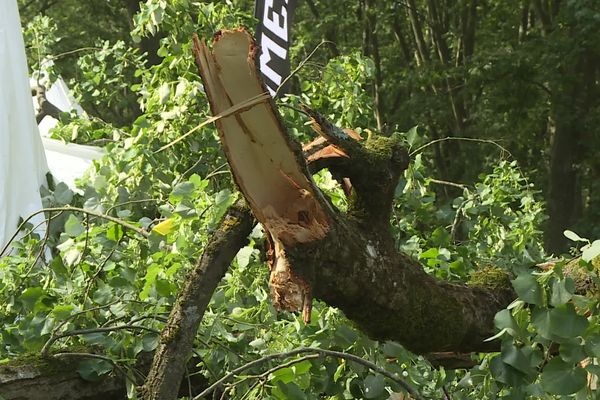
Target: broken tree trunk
point(349, 260)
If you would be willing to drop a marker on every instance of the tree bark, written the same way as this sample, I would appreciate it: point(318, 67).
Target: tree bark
point(53, 378)
point(371, 48)
point(571, 100)
point(177, 338)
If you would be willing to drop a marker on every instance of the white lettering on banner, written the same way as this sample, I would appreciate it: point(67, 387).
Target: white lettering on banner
point(278, 28)
point(268, 47)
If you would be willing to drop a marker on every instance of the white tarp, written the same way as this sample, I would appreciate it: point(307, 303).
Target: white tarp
point(22, 161)
point(67, 161)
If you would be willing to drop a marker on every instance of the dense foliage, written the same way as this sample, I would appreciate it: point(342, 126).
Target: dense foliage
point(90, 272)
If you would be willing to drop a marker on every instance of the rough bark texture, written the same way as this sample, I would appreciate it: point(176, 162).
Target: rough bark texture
point(570, 105)
point(55, 380)
point(348, 260)
point(176, 342)
point(36, 378)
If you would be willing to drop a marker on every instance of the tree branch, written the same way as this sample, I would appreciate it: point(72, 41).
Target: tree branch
point(168, 365)
point(322, 352)
point(118, 221)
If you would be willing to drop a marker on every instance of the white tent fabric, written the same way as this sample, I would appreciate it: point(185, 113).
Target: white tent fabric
point(68, 161)
point(22, 160)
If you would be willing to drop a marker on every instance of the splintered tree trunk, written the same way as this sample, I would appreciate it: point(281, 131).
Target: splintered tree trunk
point(346, 259)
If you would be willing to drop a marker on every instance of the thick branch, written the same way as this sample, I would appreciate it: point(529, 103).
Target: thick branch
point(33, 378)
point(176, 342)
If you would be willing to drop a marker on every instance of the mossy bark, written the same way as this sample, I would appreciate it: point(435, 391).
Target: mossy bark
point(33, 378)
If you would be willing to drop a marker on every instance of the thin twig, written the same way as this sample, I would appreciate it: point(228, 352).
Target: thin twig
point(88, 286)
point(124, 224)
point(87, 238)
point(66, 53)
point(72, 316)
point(328, 353)
point(130, 202)
point(42, 245)
point(456, 220)
point(54, 338)
point(189, 382)
point(287, 364)
point(300, 66)
point(446, 394)
point(235, 109)
point(187, 171)
point(218, 171)
point(447, 183)
point(464, 139)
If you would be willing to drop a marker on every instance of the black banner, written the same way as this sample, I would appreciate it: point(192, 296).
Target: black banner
point(273, 36)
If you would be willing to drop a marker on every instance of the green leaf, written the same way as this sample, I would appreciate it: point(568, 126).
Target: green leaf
point(31, 295)
point(150, 341)
point(183, 190)
point(573, 236)
point(62, 194)
point(393, 349)
point(592, 251)
point(593, 369)
point(505, 320)
point(92, 369)
point(163, 287)
point(258, 342)
point(516, 358)
point(72, 256)
point(243, 256)
point(185, 208)
point(61, 312)
point(289, 391)
point(413, 137)
point(345, 336)
point(561, 378)
point(149, 279)
point(285, 375)
point(592, 345)
point(73, 226)
point(374, 386)
point(302, 367)
point(339, 371)
point(432, 252)
point(506, 374)
point(559, 323)
point(114, 232)
point(562, 291)
point(528, 289)
point(572, 351)
point(163, 93)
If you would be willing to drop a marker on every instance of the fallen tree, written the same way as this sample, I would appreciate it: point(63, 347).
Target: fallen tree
point(349, 259)
point(346, 259)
